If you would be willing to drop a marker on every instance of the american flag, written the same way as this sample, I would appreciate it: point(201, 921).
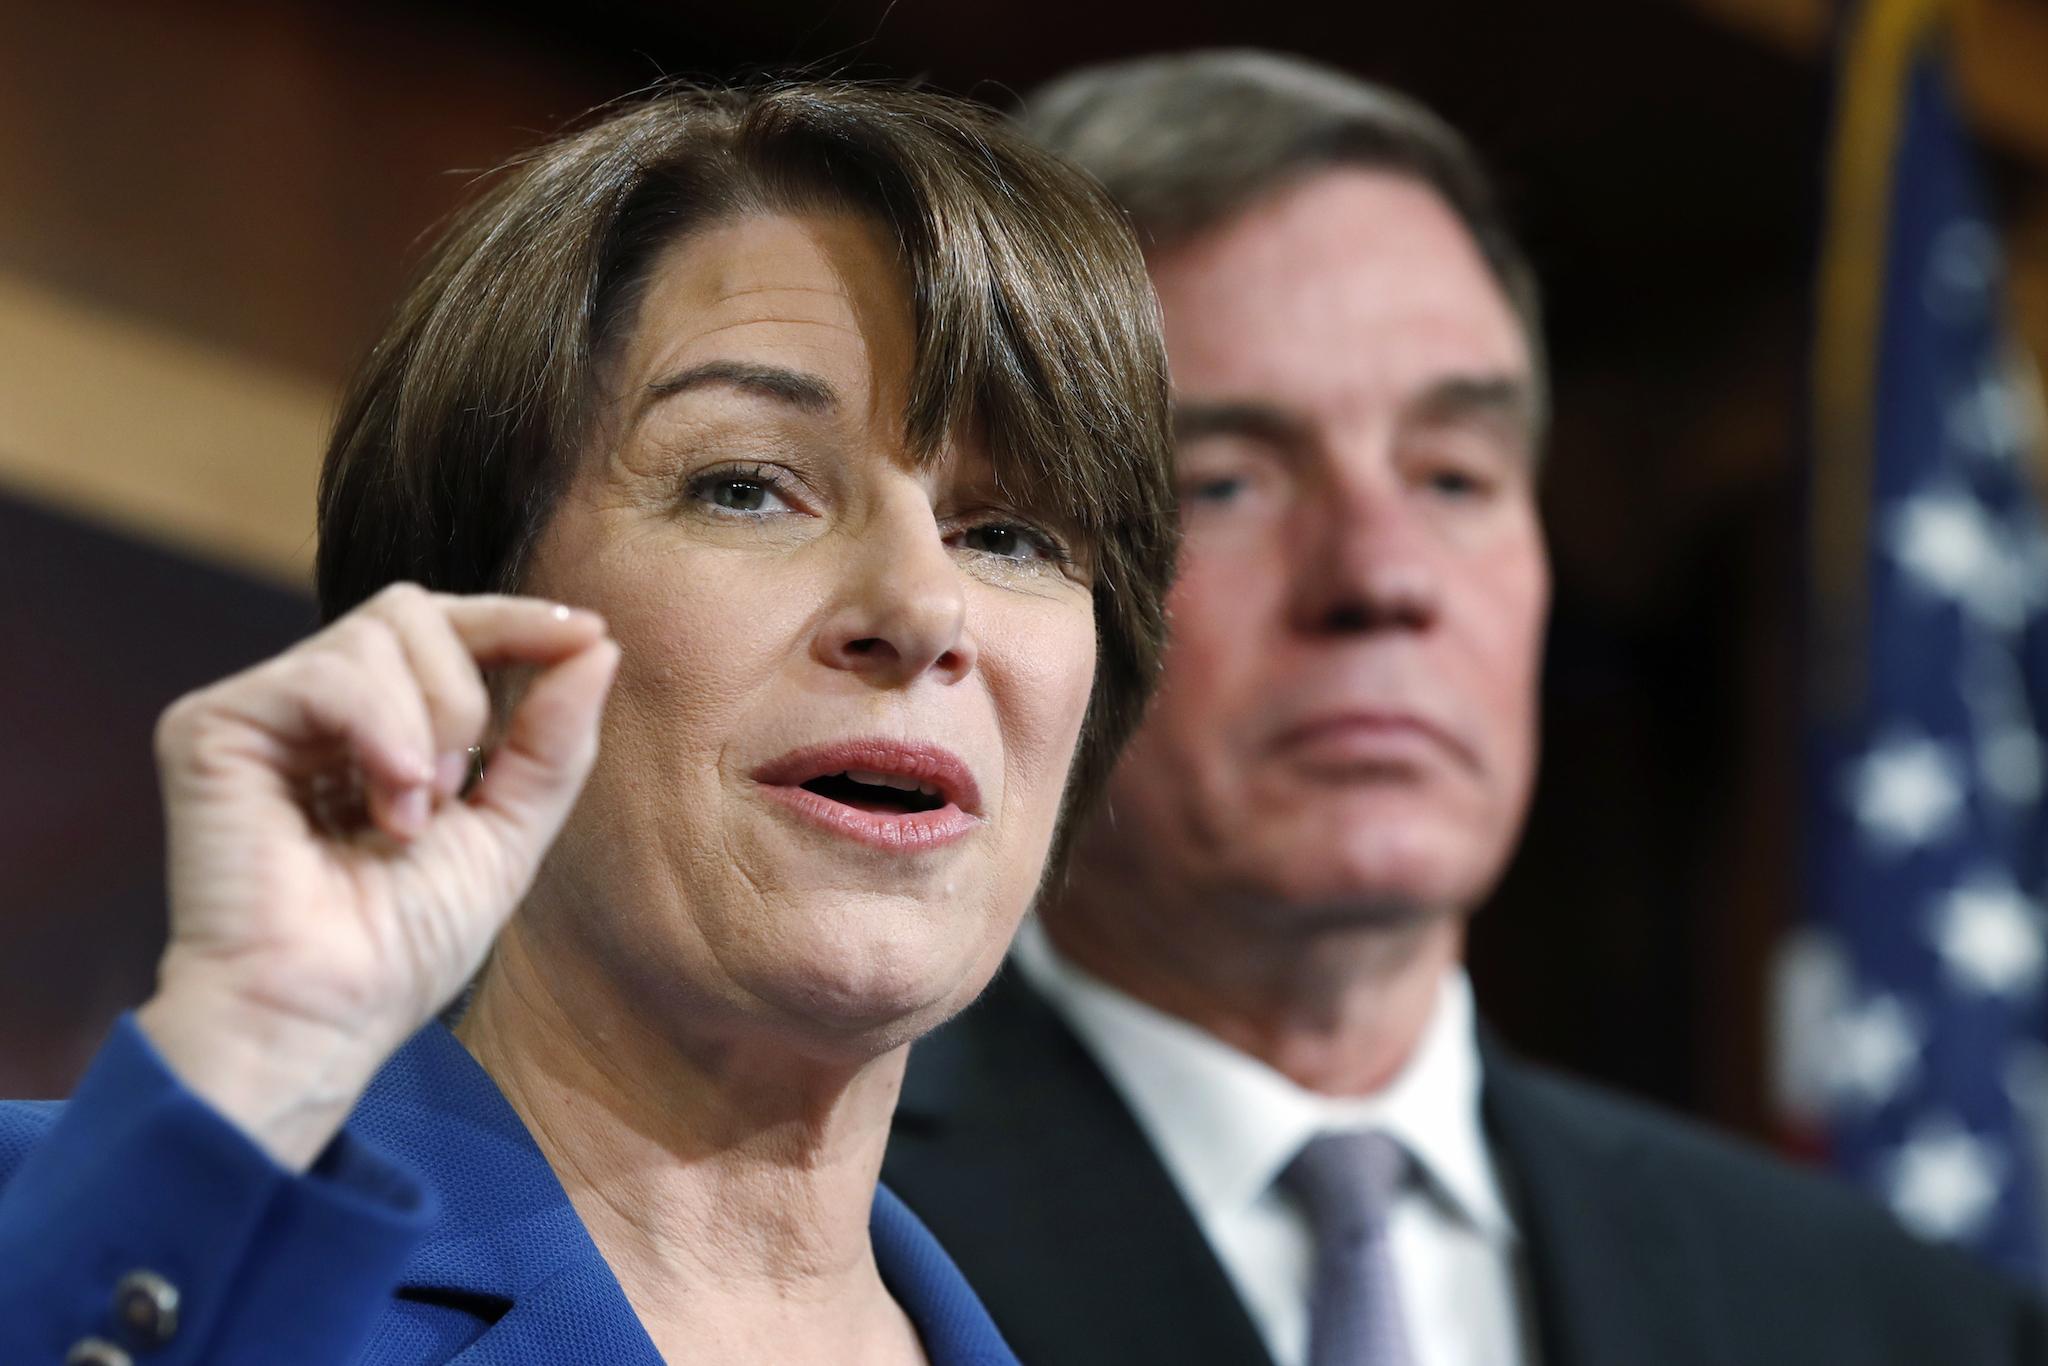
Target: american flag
point(1912, 1003)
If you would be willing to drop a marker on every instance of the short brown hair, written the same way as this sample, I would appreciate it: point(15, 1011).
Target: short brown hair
point(1186, 141)
point(1034, 318)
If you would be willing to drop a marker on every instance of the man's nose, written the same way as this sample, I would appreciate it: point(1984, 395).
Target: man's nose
point(902, 607)
point(1365, 560)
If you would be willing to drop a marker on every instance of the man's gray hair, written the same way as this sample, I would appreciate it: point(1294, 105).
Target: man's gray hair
point(1187, 141)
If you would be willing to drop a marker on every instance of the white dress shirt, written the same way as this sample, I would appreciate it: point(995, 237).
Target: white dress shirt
point(1225, 1125)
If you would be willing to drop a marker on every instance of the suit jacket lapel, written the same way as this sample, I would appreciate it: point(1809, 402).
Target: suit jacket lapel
point(1618, 1277)
point(1073, 1183)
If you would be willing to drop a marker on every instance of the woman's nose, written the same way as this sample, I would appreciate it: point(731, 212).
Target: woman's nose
point(903, 610)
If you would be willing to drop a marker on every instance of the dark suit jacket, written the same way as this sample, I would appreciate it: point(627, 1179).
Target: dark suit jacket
point(431, 1231)
point(1649, 1241)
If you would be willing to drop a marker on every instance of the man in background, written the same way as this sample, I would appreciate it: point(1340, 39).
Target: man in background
point(1230, 1102)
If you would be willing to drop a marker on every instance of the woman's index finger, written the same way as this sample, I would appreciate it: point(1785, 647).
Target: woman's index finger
point(503, 628)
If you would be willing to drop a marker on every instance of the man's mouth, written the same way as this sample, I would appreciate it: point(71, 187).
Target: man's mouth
point(1369, 739)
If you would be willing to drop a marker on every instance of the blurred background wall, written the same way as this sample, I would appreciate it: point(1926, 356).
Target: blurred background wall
point(206, 209)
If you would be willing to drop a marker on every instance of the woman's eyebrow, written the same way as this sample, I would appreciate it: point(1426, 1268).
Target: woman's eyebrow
point(797, 388)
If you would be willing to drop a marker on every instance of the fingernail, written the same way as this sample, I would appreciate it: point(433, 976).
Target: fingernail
point(450, 770)
point(564, 612)
point(409, 813)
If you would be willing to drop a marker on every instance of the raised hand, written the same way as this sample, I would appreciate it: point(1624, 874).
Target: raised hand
point(329, 889)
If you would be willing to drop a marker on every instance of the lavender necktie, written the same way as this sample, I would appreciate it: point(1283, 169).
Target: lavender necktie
point(1346, 1183)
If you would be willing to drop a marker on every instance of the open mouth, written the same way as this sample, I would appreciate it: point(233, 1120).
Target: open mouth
point(877, 793)
point(900, 796)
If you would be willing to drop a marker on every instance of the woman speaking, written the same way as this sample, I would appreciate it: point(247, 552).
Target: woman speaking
point(741, 553)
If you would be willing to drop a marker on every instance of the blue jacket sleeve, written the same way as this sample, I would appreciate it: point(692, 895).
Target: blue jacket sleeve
point(137, 1174)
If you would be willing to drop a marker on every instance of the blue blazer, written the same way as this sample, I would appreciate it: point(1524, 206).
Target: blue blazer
point(431, 1231)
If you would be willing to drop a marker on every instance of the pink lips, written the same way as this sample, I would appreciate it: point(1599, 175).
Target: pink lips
point(958, 816)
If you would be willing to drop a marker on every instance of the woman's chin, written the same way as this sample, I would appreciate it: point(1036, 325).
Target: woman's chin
point(879, 997)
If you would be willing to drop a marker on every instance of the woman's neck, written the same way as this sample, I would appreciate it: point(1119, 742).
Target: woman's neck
point(726, 1180)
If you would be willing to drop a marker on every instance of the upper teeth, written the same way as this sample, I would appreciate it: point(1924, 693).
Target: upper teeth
point(903, 784)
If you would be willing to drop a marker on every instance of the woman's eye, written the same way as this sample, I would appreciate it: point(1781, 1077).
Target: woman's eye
point(746, 494)
point(740, 495)
point(1009, 541)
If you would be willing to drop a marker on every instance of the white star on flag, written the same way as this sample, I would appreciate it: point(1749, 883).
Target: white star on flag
point(1943, 1181)
point(1945, 543)
point(1876, 1050)
point(1989, 936)
point(1994, 417)
point(1906, 792)
point(2000, 414)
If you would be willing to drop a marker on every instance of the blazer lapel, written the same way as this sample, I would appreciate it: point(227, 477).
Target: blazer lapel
point(1019, 1154)
point(1617, 1280)
point(582, 1308)
point(507, 1236)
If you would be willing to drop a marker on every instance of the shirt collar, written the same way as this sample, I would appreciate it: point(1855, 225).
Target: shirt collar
point(1226, 1124)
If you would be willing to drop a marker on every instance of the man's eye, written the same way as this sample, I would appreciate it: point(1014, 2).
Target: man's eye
point(1009, 541)
point(1455, 483)
point(1221, 489)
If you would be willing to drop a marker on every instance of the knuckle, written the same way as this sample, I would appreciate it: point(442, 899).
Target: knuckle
point(174, 725)
point(369, 640)
point(392, 609)
point(409, 606)
point(336, 685)
point(467, 706)
point(403, 595)
point(304, 672)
